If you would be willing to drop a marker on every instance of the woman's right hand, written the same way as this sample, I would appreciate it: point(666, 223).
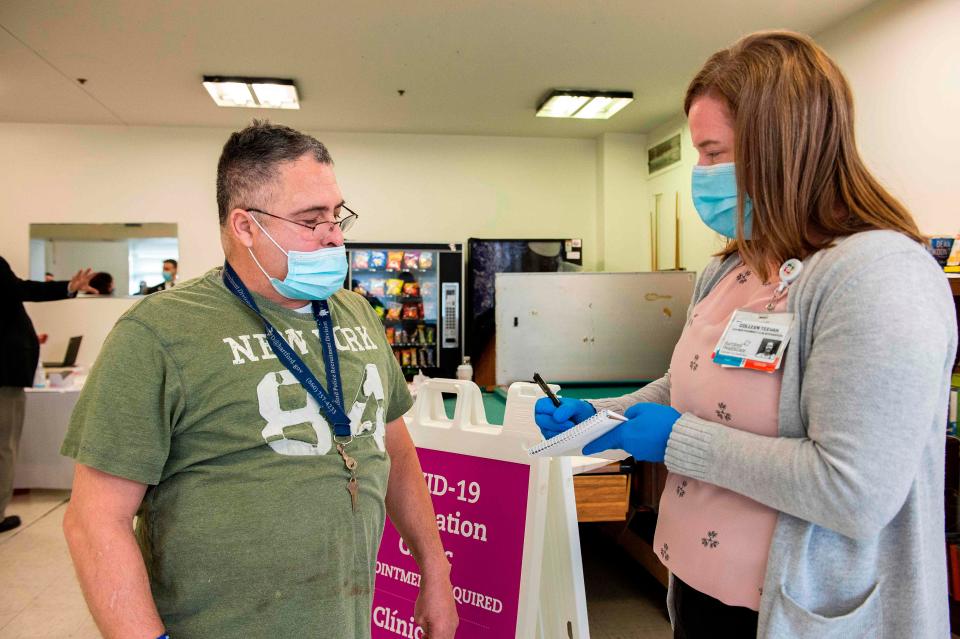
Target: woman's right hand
point(553, 420)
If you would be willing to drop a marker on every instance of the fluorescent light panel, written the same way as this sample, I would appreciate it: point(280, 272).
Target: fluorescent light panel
point(592, 105)
point(561, 106)
point(253, 93)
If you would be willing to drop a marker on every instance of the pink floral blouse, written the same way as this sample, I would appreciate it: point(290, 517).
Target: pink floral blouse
point(713, 539)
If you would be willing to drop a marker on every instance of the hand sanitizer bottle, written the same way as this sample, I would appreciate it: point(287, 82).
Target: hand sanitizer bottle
point(465, 370)
point(40, 377)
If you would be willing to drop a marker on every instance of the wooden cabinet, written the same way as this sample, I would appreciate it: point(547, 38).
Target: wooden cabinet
point(602, 497)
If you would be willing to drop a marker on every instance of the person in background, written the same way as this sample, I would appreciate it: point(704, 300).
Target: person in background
point(48, 277)
point(804, 501)
point(19, 354)
point(102, 282)
point(261, 504)
point(169, 277)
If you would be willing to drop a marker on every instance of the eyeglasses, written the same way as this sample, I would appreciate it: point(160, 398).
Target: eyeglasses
point(345, 223)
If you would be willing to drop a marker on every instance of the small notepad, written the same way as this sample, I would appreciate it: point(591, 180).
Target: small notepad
point(572, 441)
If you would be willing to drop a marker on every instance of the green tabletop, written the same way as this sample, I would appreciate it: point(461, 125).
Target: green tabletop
point(495, 403)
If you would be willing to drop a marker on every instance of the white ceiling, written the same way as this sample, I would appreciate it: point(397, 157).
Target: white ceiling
point(467, 66)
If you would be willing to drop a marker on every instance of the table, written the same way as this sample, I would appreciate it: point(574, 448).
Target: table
point(46, 417)
point(495, 400)
point(603, 494)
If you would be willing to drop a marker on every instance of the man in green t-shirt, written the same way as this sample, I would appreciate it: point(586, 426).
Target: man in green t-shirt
point(253, 518)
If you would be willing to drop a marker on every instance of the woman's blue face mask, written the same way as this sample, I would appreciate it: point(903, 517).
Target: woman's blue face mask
point(714, 193)
point(311, 275)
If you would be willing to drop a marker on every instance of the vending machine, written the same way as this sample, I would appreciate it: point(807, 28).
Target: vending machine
point(416, 290)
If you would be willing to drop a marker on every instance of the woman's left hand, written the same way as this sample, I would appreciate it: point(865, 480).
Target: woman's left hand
point(644, 436)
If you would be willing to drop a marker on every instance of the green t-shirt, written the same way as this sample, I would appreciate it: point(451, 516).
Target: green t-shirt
point(246, 527)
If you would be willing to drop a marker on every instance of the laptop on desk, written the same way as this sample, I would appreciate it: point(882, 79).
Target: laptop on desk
point(70, 359)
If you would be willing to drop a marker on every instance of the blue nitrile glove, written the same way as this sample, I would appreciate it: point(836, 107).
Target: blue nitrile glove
point(553, 420)
point(644, 436)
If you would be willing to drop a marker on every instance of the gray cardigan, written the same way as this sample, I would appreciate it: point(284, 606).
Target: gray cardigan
point(857, 471)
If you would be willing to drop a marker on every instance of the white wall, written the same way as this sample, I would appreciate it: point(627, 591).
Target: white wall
point(622, 232)
point(902, 58)
point(697, 242)
point(38, 260)
point(407, 188)
point(626, 203)
point(63, 258)
point(902, 61)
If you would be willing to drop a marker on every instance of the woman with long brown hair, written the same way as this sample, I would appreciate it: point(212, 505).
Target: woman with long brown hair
point(802, 419)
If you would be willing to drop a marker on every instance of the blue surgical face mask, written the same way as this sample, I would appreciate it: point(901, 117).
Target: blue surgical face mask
point(167, 276)
point(715, 198)
point(311, 275)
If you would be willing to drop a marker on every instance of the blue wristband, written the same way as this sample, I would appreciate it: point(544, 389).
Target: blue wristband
point(164, 636)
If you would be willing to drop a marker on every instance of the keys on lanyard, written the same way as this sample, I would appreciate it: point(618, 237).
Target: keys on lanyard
point(353, 486)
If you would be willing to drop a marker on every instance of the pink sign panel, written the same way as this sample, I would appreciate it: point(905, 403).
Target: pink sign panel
point(481, 507)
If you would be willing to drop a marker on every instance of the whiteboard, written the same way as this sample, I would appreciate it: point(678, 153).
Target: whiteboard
point(589, 327)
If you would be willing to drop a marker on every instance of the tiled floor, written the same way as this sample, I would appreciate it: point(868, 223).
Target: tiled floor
point(623, 600)
point(39, 595)
point(40, 598)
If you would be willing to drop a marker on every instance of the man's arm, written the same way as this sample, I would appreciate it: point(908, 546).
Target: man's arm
point(99, 532)
point(30, 291)
point(411, 512)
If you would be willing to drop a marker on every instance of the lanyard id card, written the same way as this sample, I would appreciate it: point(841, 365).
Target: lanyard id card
point(758, 340)
point(754, 340)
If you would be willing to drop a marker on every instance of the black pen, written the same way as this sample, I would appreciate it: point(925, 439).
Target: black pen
point(546, 389)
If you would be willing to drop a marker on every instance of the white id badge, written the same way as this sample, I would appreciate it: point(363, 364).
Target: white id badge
point(754, 340)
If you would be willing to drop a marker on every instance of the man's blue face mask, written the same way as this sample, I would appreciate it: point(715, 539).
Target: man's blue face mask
point(714, 193)
point(311, 275)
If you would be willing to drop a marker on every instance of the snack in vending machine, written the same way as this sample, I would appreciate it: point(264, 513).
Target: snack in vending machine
point(426, 260)
point(428, 334)
point(378, 259)
point(401, 336)
point(390, 332)
point(411, 261)
point(361, 260)
point(415, 335)
point(394, 260)
point(429, 354)
point(428, 288)
point(430, 310)
point(377, 287)
point(411, 289)
point(393, 310)
point(412, 311)
point(394, 287)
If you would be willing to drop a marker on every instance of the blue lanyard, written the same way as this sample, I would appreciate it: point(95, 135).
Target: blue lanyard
point(321, 313)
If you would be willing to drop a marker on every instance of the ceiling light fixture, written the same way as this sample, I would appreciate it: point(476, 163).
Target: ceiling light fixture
point(253, 93)
point(585, 105)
